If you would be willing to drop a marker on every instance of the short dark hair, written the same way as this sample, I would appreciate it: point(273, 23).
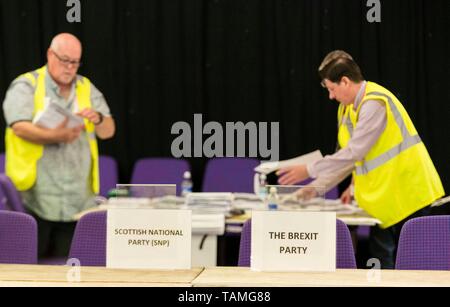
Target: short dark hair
point(333, 55)
point(341, 67)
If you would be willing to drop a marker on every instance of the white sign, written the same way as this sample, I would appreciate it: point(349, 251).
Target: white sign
point(148, 239)
point(293, 241)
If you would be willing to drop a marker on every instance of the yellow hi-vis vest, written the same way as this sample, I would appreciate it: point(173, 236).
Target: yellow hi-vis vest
point(22, 156)
point(397, 177)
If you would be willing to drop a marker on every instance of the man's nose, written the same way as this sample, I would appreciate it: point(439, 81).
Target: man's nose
point(331, 96)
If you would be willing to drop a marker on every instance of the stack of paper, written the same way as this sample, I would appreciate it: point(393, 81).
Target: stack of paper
point(246, 196)
point(246, 201)
point(169, 202)
point(129, 202)
point(320, 205)
point(53, 115)
point(209, 202)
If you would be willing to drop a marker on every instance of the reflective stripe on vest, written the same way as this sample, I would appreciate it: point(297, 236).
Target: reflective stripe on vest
point(349, 125)
point(408, 140)
point(344, 120)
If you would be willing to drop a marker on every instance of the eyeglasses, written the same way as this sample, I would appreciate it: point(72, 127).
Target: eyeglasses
point(66, 61)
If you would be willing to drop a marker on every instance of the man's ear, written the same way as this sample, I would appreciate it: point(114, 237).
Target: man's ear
point(345, 81)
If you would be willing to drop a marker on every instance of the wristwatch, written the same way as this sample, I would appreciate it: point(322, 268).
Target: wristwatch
point(100, 115)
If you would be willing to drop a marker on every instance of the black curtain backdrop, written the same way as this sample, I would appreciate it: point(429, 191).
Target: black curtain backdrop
point(160, 61)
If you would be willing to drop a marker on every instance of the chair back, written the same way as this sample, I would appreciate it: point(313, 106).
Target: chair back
point(424, 244)
point(2, 163)
point(160, 171)
point(109, 174)
point(18, 238)
point(11, 197)
point(3, 200)
point(230, 175)
point(89, 240)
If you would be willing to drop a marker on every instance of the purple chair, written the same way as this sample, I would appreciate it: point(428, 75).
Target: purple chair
point(230, 175)
point(3, 200)
point(345, 255)
point(424, 244)
point(160, 171)
point(2, 163)
point(109, 174)
point(363, 232)
point(2, 171)
point(13, 200)
point(89, 240)
point(18, 238)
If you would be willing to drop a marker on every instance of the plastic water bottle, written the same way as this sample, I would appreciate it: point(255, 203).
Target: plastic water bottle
point(262, 186)
point(186, 185)
point(272, 200)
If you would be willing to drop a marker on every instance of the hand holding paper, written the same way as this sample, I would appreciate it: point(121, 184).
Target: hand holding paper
point(347, 196)
point(302, 194)
point(67, 135)
point(306, 193)
point(269, 167)
point(54, 115)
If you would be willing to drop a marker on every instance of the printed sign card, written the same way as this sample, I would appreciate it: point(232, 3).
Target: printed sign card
point(293, 241)
point(149, 239)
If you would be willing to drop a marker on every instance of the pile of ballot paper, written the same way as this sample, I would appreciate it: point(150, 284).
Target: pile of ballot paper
point(209, 202)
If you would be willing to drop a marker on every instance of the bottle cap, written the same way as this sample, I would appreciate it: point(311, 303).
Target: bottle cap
point(273, 190)
point(187, 175)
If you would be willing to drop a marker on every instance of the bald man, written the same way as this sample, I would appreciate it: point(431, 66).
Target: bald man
point(56, 170)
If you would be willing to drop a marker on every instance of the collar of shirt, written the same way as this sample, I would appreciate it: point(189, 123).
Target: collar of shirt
point(360, 95)
point(53, 86)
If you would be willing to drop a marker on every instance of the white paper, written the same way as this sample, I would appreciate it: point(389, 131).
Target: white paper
point(53, 115)
point(269, 167)
point(441, 202)
point(293, 241)
point(149, 239)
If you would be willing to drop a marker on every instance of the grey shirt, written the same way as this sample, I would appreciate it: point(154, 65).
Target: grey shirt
point(372, 121)
point(63, 186)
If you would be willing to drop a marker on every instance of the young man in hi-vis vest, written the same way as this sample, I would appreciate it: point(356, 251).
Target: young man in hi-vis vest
point(56, 170)
point(394, 178)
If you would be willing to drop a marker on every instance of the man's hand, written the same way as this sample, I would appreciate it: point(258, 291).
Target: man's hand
point(306, 193)
point(67, 135)
point(43, 136)
point(292, 175)
point(347, 196)
point(90, 115)
point(302, 194)
point(105, 127)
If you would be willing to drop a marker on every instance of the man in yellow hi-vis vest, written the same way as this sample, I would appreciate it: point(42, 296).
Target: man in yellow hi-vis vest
point(393, 174)
point(55, 169)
